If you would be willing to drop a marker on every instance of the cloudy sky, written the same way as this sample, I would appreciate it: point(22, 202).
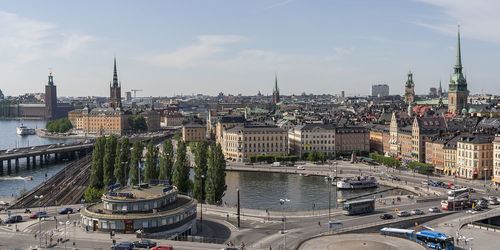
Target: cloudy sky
point(208, 46)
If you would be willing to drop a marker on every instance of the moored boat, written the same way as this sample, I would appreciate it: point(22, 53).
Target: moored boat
point(357, 183)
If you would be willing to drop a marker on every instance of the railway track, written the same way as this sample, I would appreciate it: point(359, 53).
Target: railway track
point(65, 187)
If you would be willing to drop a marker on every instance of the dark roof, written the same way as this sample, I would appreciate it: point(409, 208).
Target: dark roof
point(267, 128)
point(232, 119)
point(477, 139)
point(193, 125)
point(431, 123)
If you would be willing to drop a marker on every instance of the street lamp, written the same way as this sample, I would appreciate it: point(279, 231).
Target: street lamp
point(282, 202)
point(39, 219)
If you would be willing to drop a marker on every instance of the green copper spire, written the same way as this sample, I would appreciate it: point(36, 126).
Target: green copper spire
point(458, 64)
point(276, 83)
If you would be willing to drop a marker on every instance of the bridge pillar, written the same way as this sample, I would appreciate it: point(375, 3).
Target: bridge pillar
point(8, 166)
point(28, 162)
point(17, 164)
point(1, 167)
point(41, 160)
point(34, 161)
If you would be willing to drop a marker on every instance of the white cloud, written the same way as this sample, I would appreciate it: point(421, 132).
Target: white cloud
point(23, 39)
point(280, 3)
point(189, 56)
point(479, 19)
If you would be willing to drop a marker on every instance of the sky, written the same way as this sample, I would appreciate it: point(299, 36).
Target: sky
point(169, 47)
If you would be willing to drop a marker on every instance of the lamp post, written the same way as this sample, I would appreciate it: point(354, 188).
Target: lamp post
point(336, 188)
point(282, 202)
point(329, 191)
point(39, 219)
point(201, 202)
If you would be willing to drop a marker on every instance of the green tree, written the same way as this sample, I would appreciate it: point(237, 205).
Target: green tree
point(313, 156)
point(122, 161)
point(151, 171)
point(138, 123)
point(181, 169)
point(135, 161)
point(59, 126)
point(167, 161)
point(200, 172)
point(322, 157)
point(109, 160)
point(92, 194)
point(97, 172)
point(215, 186)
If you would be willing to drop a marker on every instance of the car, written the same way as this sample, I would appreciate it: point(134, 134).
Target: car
point(483, 204)
point(144, 244)
point(66, 210)
point(395, 178)
point(477, 208)
point(470, 211)
point(13, 219)
point(403, 214)
point(33, 148)
point(417, 212)
point(249, 163)
point(301, 168)
point(471, 190)
point(386, 216)
point(424, 183)
point(123, 245)
point(230, 248)
point(37, 215)
point(434, 210)
point(163, 247)
point(51, 146)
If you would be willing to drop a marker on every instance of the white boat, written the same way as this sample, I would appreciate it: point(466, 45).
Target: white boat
point(23, 130)
point(28, 178)
point(357, 183)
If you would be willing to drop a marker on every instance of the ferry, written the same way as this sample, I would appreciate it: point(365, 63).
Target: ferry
point(23, 130)
point(357, 182)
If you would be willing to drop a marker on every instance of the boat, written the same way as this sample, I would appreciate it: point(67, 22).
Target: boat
point(23, 130)
point(28, 178)
point(357, 182)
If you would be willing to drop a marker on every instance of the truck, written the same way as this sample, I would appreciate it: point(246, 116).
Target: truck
point(276, 164)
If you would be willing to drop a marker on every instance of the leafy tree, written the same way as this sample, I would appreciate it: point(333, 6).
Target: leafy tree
point(313, 156)
point(134, 162)
point(200, 172)
point(121, 161)
point(181, 169)
point(216, 176)
point(322, 157)
point(96, 176)
point(92, 194)
point(151, 171)
point(59, 126)
point(138, 123)
point(109, 160)
point(167, 161)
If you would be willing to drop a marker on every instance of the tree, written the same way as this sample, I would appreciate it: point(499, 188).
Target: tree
point(313, 156)
point(109, 160)
point(121, 161)
point(167, 161)
point(322, 157)
point(200, 172)
point(62, 125)
point(96, 175)
point(151, 171)
point(138, 123)
point(216, 176)
point(92, 194)
point(181, 169)
point(135, 160)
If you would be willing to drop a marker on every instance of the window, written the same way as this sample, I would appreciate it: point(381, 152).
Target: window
point(145, 224)
point(104, 225)
point(163, 221)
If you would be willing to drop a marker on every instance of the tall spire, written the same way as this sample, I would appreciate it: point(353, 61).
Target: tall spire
point(115, 75)
point(51, 79)
point(276, 83)
point(458, 64)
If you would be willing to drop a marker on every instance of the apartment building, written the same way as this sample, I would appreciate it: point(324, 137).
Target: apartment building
point(312, 137)
point(351, 139)
point(475, 157)
point(496, 160)
point(193, 132)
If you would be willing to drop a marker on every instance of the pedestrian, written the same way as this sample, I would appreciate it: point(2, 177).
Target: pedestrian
point(319, 223)
point(242, 245)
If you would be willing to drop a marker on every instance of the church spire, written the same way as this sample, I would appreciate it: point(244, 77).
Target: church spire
point(458, 64)
point(115, 75)
point(276, 83)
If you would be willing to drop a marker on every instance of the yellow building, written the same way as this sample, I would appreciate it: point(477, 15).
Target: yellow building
point(99, 121)
point(377, 139)
point(193, 132)
point(475, 157)
point(227, 122)
point(450, 156)
point(239, 143)
point(496, 160)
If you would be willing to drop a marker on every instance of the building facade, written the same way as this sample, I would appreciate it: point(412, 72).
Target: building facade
point(475, 157)
point(496, 161)
point(241, 142)
point(193, 132)
point(380, 90)
point(312, 137)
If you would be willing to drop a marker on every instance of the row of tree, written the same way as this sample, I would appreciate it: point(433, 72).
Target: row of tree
point(421, 167)
point(389, 161)
point(62, 125)
point(273, 158)
point(114, 162)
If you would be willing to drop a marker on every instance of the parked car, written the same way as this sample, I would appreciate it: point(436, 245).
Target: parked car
point(417, 212)
point(301, 168)
point(13, 219)
point(163, 247)
point(424, 183)
point(144, 244)
point(483, 204)
point(403, 214)
point(37, 215)
point(66, 210)
point(123, 246)
point(386, 216)
point(434, 210)
point(249, 163)
point(230, 248)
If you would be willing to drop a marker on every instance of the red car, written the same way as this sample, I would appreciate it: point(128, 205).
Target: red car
point(38, 215)
point(163, 247)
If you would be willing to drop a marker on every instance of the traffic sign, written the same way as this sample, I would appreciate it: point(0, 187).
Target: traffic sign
point(396, 210)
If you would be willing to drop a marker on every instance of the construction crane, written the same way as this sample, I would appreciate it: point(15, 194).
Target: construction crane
point(135, 91)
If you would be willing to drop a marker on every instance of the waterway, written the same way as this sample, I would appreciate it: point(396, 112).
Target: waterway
point(11, 184)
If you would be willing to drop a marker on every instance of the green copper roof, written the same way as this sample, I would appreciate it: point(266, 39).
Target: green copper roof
point(430, 102)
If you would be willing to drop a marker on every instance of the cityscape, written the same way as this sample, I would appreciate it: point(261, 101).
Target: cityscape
point(287, 124)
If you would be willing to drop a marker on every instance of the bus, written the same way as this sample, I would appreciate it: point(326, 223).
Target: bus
point(454, 204)
point(429, 238)
point(458, 194)
point(359, 207)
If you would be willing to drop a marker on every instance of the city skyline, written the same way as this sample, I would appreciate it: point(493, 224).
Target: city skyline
point(189, 48)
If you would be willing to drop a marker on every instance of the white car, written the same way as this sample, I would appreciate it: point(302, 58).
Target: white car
point(471, 211)
point(434, 210)
point(301, 168)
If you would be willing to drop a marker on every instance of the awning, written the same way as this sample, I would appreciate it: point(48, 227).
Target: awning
point(398, 158)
